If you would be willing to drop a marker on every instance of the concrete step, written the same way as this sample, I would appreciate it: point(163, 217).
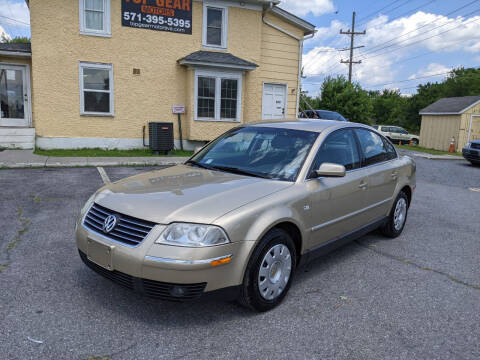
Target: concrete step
point(17, 138)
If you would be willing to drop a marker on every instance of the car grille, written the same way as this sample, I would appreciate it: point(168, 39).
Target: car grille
point(150, 288)
point(129, 230)
point(475, 146)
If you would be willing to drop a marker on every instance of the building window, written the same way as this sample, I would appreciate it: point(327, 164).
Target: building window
point(215, 26)
point(228, 105)
point(96, 89)
point(95, 17)
point(217, 96)
point(206, 97)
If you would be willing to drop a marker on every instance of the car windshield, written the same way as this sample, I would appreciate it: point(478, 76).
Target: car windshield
point(265, 152)
point(329, 115)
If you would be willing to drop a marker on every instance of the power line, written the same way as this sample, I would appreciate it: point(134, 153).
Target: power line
point(412, 10)
point(395, 8)
point(417, 78)
point(379, 48)
point(418, 41)
point(424, 25)
point(396, 82)
point(378, 11)
point(19, 21)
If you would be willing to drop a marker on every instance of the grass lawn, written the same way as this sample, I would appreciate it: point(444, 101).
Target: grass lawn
point(106, 153)
point(428, 151)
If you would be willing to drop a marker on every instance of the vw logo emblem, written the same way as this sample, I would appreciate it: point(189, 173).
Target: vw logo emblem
point(109, 223)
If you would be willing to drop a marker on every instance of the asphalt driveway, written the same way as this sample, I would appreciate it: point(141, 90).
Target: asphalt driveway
point(415, 297)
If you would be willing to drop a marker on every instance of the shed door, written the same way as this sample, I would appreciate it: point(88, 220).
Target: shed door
point(14, 100)
point(274, 101)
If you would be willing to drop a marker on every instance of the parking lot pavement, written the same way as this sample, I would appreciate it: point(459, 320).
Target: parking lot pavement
point(414, 297)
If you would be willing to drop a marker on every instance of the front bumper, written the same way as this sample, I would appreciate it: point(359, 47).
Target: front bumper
point(151, 266)
point(471, 154)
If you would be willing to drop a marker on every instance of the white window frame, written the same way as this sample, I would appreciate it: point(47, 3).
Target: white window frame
point(88, 65)
point(219, 75)
point(106, 32)
point(224, 36)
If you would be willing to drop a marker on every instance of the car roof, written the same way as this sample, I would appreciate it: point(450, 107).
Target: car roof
point(307, 125)
point(327, 111)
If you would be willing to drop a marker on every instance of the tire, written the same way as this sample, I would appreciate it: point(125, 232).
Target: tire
point(397, 218)
point(415, 142)
point(253, 294)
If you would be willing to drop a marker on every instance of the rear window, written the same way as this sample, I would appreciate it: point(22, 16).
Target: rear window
point(372, 146)
point(330, 115)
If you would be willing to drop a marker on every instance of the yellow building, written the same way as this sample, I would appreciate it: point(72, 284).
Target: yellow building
point(101, 70)
point(455, 118)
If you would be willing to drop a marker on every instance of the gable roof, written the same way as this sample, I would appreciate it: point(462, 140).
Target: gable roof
point(307, 27)
point(217, 59)
point(451, 106)
point(14, 49)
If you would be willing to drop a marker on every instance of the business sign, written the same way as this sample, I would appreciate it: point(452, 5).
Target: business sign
point(178, 109)
point(162, 15)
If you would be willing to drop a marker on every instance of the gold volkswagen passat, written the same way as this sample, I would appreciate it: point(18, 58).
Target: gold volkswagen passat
point(243, 213)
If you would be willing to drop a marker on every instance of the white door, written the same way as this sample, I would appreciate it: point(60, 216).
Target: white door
point(14, 96)
point(274, 101)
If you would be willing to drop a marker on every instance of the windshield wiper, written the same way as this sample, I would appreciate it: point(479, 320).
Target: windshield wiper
point(240, 171)
point(199, 164)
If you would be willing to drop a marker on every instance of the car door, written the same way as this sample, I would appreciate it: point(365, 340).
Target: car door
point(385, 130)
point(404, 135)
point(336, 203)
point(379, 162)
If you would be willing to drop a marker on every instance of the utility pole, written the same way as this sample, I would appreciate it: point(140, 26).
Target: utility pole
point(352, 34)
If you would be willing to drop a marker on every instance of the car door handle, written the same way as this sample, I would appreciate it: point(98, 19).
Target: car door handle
point(363, 185)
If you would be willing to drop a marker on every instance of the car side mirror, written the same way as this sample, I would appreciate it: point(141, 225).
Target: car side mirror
point(331, 170)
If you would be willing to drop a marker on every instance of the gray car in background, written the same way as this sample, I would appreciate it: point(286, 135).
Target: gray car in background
point(471, 152)
point(321, 115)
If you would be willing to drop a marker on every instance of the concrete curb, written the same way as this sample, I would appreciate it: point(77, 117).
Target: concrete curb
point(71, 163)
point(431, 156)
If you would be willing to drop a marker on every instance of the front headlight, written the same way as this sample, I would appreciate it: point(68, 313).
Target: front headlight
point(469, 144)
point(192, 235)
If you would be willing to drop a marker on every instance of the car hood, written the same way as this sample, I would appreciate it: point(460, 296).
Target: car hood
point(184, 193)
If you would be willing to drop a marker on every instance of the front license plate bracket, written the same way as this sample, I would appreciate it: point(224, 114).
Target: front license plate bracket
point(100, 254)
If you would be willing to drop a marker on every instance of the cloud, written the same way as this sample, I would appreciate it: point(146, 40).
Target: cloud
point(459, 34)
point(4, 34)
point(431, 69)
point(438, 32)
point(16, 10)
point(304, 7)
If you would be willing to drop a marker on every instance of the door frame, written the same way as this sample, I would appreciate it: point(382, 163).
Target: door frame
point(285, 85)
point(27, 83)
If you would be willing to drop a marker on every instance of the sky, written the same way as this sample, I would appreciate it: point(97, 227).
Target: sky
point(407, 42)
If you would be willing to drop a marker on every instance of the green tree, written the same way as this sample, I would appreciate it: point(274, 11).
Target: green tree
point(15, 40)
point(350, 100)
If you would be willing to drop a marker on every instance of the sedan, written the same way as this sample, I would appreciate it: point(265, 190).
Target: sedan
point(471, 152)
point(240, 216)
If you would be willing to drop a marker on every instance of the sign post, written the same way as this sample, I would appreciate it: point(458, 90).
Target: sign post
point(179, 110)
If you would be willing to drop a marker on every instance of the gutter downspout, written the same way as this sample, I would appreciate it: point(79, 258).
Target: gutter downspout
point(300, 65)
point(300, 52)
